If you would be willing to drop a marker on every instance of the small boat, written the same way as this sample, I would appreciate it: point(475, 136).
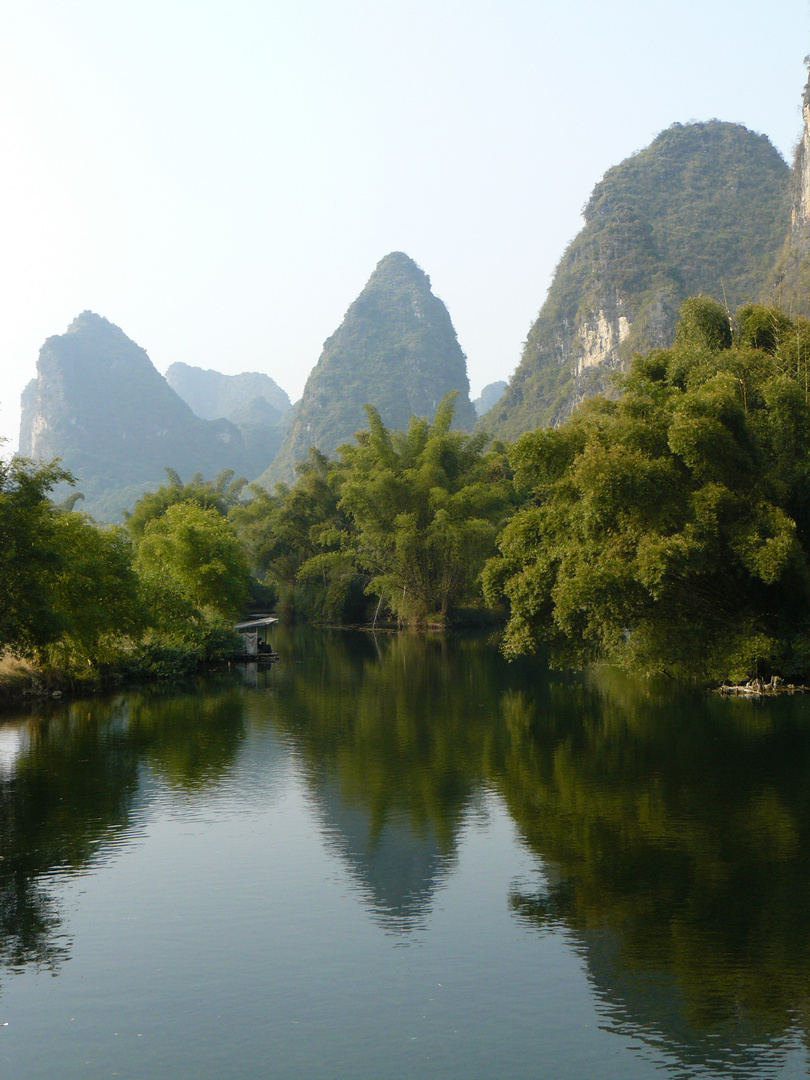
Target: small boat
point(254, 636)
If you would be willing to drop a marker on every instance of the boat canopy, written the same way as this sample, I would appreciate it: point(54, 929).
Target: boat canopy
point(255, 624)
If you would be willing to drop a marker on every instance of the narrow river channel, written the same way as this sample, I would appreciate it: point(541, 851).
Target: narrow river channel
point(398, 857)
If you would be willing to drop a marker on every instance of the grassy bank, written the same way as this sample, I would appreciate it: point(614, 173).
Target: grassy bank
point(153, 661)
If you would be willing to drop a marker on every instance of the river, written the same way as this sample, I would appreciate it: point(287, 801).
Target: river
point(398, 856)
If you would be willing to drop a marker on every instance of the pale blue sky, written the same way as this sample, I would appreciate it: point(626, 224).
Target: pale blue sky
point(220, 180)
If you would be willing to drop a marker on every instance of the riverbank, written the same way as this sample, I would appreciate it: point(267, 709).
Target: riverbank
point(760, 688)
point(23, 680)
point(18, 679)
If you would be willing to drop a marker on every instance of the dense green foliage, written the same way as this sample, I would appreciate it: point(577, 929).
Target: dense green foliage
point(191, 555)
point(703, 209)
point(95, 593)
point(666, 528)
point(79, 597)
point(29, 554)
point(425, 507)
point(286, 531)
point(670, 529)
point(220, 495)
point(395, 349)
point(407, 518)
point(70, 593)
point(400, 525)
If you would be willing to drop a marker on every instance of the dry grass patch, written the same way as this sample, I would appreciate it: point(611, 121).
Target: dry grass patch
point(12, 667)
point(17, 677)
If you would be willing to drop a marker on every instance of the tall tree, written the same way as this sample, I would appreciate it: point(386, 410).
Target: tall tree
point(425, 505)
point(669, 529)
point(298, 526)
point(221, 494)
point(95, 593)
point(193, 552)
point(29, 554)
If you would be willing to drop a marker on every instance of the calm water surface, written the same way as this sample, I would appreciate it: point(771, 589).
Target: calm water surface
point(398, 857)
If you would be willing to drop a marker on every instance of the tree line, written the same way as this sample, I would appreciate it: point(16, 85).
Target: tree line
point(665, 528)
point(155, 596)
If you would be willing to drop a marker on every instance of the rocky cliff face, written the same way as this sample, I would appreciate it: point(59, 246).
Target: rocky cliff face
point(789, 283)
point(800, 211)
point(395, 349)
point(703, 209)
point(800, 187)
point(100, 405)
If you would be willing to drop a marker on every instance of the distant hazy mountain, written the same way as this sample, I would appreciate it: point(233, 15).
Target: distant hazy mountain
point(100, 405)
point(489, 395)
point(703, 209)
point(211, 394)
point(396, 349)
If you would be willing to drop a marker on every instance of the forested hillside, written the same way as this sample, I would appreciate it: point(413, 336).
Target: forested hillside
point(396, 349)
point(703, 209)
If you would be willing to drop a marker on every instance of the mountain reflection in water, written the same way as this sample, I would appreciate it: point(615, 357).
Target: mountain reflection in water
point(670, 829)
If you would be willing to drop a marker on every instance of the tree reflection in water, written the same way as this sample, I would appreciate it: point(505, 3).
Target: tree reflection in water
point(70, 786)
point(677, 827)
point(673, 828)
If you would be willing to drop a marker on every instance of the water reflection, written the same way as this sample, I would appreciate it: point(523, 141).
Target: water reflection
point(398, 868)
point(390, 730)
point(62, 792)
point(673, 828)
point(71, 782)
point(678, 827)
point(191, 739)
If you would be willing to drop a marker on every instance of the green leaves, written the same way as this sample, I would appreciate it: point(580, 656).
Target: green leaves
point(424, 511)
point(704, 323)
point(70, 596)
point(288, 535)
point(29, 554)
point(96, 593)
point(221, 495)
point(670, 528)
point(194, 551)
